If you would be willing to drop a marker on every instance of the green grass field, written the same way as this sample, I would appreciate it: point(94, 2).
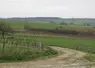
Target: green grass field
point(12, 48)
point(86, 45)
point(20, 25)
point(81, 44)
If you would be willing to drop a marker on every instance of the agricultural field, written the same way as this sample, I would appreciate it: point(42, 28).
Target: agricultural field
point(13, 48)
point(30, 46)
point(81, 44)
point(86, 45)
point(45, 25)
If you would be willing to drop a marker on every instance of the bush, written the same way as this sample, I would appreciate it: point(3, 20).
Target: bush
point(21, 52)
point(90, 57)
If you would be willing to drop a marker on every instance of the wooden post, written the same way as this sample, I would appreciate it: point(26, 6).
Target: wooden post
point(40, 45)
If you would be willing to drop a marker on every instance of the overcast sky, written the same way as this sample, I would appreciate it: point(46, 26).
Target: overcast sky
point(47, 8)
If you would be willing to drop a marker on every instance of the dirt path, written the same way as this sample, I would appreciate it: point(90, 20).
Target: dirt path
point(67, 58)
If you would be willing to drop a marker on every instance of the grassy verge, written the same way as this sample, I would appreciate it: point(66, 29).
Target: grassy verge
point(17, 49)
point(90, 57)
point(25, 54)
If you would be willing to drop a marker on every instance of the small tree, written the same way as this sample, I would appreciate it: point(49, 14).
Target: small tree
point(5, 32)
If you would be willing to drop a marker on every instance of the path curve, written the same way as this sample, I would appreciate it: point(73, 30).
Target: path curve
point(67, 58)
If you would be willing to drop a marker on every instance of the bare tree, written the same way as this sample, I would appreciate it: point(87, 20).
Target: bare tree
point(5, 32)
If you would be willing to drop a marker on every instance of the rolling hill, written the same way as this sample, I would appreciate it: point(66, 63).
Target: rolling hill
point(77, 21)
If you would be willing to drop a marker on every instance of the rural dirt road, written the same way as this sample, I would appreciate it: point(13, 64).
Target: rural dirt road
point(67, 58)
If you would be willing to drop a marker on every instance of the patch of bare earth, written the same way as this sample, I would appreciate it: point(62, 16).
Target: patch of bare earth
point(67, 58)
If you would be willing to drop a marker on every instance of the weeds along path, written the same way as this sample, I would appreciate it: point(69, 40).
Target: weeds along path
point(67, 58)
